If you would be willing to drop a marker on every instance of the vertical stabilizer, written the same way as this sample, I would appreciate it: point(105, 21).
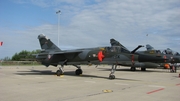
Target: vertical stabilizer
point(46, 43)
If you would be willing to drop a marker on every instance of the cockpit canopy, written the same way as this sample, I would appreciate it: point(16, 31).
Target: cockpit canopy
point(170, 52)
point(117, 49)
point(165, 52)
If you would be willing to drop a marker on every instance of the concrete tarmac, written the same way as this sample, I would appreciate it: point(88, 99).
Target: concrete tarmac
point(38, 83)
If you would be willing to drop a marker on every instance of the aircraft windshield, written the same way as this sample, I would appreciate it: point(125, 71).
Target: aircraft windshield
point(158, 51)
point(153, 52)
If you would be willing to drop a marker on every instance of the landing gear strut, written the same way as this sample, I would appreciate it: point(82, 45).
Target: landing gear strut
point(111, 75)
point(61, 71)
point(173, 68)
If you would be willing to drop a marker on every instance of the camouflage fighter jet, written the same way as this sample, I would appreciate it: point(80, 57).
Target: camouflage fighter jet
point(168, 54)
point(172, 57)
point(134, 59)
point(122, 56)
point(52, 55)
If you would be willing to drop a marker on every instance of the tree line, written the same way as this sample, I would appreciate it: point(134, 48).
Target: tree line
point(24, 55)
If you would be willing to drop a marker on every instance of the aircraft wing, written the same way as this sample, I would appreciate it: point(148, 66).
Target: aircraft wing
point(56, 57)
point(67, 52)
point(60, 52)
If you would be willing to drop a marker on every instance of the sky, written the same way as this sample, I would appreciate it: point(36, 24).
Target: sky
point(89, 23)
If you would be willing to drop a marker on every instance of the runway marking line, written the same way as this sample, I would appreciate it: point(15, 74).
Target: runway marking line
point(155, 91)
point(107, 91)
point(178, 84)
point(59, 76)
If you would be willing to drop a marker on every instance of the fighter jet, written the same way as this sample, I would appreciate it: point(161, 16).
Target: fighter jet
point(172, 57)
point(125, 57)
point(52, 55)
point(144, 60)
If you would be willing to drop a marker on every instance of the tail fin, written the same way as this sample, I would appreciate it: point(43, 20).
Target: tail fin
point(46, 43)
point(149, 47)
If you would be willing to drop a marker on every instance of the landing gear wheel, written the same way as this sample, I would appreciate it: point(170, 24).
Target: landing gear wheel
point(79, 72)
point(143, 69)
point(59, 72)
point(111, 77)
point(133, 68)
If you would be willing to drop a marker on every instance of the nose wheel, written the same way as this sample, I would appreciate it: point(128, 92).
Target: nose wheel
point(111, 76)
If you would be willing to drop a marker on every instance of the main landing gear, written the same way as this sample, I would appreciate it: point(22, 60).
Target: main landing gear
point(111, 75)
point(61, 71)
point(143, 69)
point(133, 68)
point(79, 70)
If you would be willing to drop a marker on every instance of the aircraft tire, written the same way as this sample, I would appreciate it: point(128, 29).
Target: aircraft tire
point(111, 77)
point(59, 72)
point(79, 72)
point(143, 69)
point(133, 68)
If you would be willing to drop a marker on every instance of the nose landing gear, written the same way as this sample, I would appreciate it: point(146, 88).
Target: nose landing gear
point(112, 76)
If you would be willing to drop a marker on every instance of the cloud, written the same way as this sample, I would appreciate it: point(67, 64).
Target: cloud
point(91, 24)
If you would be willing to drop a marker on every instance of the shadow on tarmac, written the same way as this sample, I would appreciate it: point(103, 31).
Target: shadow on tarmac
point(35, 72)
point(68, 73)
point(137, 70)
